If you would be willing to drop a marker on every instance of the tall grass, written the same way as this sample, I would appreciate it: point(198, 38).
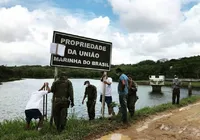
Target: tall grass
point(79, 129)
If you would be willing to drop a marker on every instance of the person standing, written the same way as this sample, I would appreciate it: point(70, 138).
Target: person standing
point(63, 95)
point(123, 93)
point(32, 108)
point(132, 96)
point(108, 91)
point(91, 94)
point(190, 89)
point(176, 90)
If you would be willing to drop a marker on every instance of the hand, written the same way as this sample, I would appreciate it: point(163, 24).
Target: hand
point(72, 104)
point(46, 84)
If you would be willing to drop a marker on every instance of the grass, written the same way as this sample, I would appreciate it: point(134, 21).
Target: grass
point(79, 129)
point(145, 112)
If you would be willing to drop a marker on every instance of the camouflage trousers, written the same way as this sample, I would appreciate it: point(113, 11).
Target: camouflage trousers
point(91, 109)
point(60, 116)
point(131, 100)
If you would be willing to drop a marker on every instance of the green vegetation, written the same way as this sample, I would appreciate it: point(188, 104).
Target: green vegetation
point(184, 68)
point(78, 129)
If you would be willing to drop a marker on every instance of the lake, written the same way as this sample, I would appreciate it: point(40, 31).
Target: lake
point(14, 96)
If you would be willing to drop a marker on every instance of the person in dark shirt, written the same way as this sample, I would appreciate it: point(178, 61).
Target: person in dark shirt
point(132, 95)
point(176, 90)
point(91, 94)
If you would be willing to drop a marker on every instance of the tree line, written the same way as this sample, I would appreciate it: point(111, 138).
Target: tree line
point(187, 67)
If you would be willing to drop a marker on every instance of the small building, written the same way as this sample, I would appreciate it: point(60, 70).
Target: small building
point(156, 81)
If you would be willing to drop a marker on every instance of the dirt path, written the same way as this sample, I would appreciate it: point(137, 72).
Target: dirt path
point(179, 124)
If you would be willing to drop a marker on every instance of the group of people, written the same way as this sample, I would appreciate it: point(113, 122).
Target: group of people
point(127, 89)
point(91, 94)
point(63, 98)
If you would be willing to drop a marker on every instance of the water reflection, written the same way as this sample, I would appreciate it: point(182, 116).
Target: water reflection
point(154, 93)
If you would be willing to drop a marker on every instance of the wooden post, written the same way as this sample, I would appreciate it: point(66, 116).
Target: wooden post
point(55, 78)
point(46, 96)
point(103, 95)
point(45, 106)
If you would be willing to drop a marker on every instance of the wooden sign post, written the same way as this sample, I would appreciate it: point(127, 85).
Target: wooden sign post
point(53, 98)
point(103, 95)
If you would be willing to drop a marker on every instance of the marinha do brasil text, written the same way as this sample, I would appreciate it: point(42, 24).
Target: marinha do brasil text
point(81, 53)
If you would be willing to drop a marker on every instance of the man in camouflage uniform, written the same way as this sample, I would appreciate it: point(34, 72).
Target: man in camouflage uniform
point(91, 94)
point(62, 95)
point(132, 96)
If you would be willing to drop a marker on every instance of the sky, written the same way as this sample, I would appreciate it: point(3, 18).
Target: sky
point(138, 29)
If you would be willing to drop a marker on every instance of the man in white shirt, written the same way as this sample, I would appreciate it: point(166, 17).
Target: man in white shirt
point(33, 105)
point(108, 96)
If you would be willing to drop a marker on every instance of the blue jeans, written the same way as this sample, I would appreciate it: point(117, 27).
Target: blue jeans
point(123, 109)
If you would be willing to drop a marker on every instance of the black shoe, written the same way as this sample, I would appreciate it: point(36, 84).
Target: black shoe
point(131, 115)
point(126, 125)
point(62, 127)
point(125, 121)
point(59, 129)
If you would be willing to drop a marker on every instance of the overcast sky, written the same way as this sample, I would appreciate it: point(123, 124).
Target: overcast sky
point(138, 29)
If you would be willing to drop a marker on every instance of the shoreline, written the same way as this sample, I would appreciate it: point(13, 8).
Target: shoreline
point(9, 80)
point(83, 129)
point(195, 85)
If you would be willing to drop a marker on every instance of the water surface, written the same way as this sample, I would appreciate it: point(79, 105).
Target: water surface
point(14, 96)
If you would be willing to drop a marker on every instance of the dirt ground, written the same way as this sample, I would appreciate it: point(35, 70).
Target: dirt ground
point(179, 124)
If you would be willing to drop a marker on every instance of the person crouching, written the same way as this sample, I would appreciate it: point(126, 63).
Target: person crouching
point(33, 105)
